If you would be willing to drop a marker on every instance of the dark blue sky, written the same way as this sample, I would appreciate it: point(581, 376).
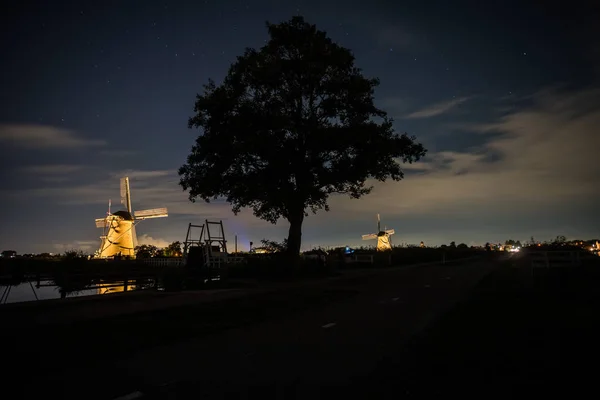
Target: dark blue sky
point(504, 96)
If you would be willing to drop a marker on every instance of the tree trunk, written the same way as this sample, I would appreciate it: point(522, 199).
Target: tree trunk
point(295, 234)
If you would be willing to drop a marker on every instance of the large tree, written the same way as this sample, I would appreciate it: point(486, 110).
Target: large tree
point(291, 124)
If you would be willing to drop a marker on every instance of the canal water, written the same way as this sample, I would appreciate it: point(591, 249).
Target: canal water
point(31, 291)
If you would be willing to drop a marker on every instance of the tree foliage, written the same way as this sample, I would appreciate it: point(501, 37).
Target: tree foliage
point(146, 251)
point(74, 254)
point(173, 250)
point(292, 123)
point(273, 246)
point(512, 242)
point(559, 240)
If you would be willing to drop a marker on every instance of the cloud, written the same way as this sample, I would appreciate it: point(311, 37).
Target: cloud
point(141, 174)
point(85, 246)
point(149, 189)
point(544, 155)
point(149, 240)
point(41, 136)
point(53, 169)
point(118, 153)
point(437, 109)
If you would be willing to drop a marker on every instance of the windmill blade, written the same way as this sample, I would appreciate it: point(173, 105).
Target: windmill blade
point(370, 236)
point(124, 191)
point(390, 231)
point(151, 213)
point(101, 222)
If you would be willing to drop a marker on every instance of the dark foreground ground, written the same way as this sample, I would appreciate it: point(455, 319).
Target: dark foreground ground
point(412, 332)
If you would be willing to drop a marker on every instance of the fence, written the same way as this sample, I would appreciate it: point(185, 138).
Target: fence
point(362, 258)
point(553, 259)
point(163, 262)
point(178, 262)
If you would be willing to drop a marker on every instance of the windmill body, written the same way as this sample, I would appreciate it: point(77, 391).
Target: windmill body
point(384, 241)
point(119, 237)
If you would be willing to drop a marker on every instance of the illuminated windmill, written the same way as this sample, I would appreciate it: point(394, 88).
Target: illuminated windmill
point(119, 236)
point(384, 242)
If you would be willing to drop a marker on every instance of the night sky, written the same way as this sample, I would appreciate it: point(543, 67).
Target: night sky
point(505, 97)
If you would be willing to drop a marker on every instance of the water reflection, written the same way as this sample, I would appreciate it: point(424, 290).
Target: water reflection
point(48, 289)
point(111, 287)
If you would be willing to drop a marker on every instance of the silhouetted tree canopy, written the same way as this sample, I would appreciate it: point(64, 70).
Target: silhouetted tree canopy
point(146, 251)
point(273, 246)
point(291, 124)
point(173, 250)
point(559, 240)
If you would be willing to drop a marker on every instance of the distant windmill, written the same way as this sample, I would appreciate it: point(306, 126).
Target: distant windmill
point(119, 236)
point(384, 241)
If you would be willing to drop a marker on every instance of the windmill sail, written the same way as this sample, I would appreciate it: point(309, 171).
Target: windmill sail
point(125, 194)
point(151, 213)
point(101, 222)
